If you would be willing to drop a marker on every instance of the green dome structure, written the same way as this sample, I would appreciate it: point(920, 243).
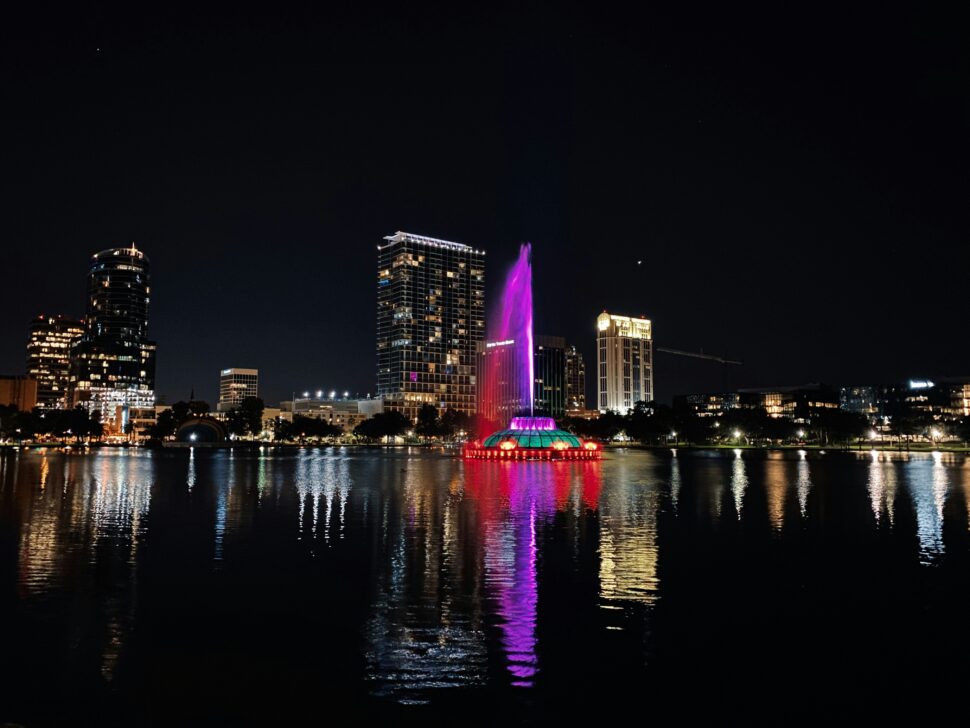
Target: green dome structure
point(532, 438)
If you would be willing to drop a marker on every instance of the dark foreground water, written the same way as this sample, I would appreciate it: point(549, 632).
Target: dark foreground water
point(173, 588)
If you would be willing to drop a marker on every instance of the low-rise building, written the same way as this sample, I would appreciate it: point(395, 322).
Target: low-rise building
point(345, 413)
point(18, 391)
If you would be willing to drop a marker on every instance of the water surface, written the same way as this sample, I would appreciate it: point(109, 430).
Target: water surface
point(180, 587)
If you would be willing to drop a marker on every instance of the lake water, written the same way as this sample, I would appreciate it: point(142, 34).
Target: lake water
point(179, 587)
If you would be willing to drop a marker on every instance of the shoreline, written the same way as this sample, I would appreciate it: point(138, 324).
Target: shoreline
point(176, 446)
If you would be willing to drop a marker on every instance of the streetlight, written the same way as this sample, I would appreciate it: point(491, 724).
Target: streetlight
point(801, 434)
point(319, 393)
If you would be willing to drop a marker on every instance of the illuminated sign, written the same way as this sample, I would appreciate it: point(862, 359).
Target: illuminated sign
point(491, 344)
point(920, 384)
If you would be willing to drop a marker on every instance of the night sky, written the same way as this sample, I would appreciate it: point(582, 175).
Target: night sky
point(795, 185)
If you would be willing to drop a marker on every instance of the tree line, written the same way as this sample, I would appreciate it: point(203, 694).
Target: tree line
point(653, 423)
point(71, 424)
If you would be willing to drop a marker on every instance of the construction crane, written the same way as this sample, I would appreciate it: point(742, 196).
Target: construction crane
point(698, 355)
point(723, 361)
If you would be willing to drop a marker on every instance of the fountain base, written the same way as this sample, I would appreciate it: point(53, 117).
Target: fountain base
point(532, 438)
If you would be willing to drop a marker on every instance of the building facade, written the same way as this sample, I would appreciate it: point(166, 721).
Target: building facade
point(50, 342)
point(430, 320)
point(575, 380)
point(500, 382)
point(19, 392)
point(798, 404)
point(549, 368)
point(344, 413)
point(624, 362)
point(113, 363)
point(235, 385)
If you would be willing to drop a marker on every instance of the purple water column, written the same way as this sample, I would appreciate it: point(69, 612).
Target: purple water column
point(513, 321)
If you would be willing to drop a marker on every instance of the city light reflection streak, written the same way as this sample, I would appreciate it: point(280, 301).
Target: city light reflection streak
point(926, 482)
point(804, 483)
point(776, 487)
point(739, 482)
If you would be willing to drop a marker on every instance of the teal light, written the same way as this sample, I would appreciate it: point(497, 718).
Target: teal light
point(533, 439)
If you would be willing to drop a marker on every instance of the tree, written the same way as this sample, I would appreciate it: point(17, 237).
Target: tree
point(198, 408)
point(246, 418)
point(649, 422)
point(836, 426)
point(455, 424)
point(306, 427)
point(428, 424)
point(383, 424)
point(963, 430)
point(608, 425)
point(165, 425)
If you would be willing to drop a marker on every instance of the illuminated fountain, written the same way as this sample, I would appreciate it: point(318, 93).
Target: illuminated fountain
point(508, 383)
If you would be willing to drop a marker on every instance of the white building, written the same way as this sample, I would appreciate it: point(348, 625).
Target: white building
point(345, 413)
point(624, 362)
point(235, 385)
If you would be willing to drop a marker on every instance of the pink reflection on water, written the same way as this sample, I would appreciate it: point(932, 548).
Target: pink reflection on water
point(512, 499)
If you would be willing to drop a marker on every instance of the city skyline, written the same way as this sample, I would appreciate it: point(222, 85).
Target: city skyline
point(763, 211)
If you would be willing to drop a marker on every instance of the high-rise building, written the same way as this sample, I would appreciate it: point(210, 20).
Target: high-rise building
point(624, 362)
point(49, 345)
point(500, 382)
point(575, 380)
point(430, 319)
point(549, 367)
point(235, 385)
point(113, 367)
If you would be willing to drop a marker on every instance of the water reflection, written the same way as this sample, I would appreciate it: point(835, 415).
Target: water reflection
point(739, 482)
point(421, 574)
point(628, 538)
point(882, 486)
point(776, 488)
point(926, 482)
point(804, 482)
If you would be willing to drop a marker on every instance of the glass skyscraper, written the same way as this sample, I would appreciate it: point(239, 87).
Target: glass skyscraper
point(430, 319)
point(549, 357)
point(113, 370)
point(51, 339)
point(575, 380)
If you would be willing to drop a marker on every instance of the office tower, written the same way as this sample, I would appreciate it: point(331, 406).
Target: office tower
point(49, 345)
point(430, 319)
point(575, 380)
point(500, 382)
point(113, 368)
point(549, 367)
point(235, 385)
point(624, 362)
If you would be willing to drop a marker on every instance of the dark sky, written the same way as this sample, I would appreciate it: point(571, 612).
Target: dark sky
point(795, 184)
